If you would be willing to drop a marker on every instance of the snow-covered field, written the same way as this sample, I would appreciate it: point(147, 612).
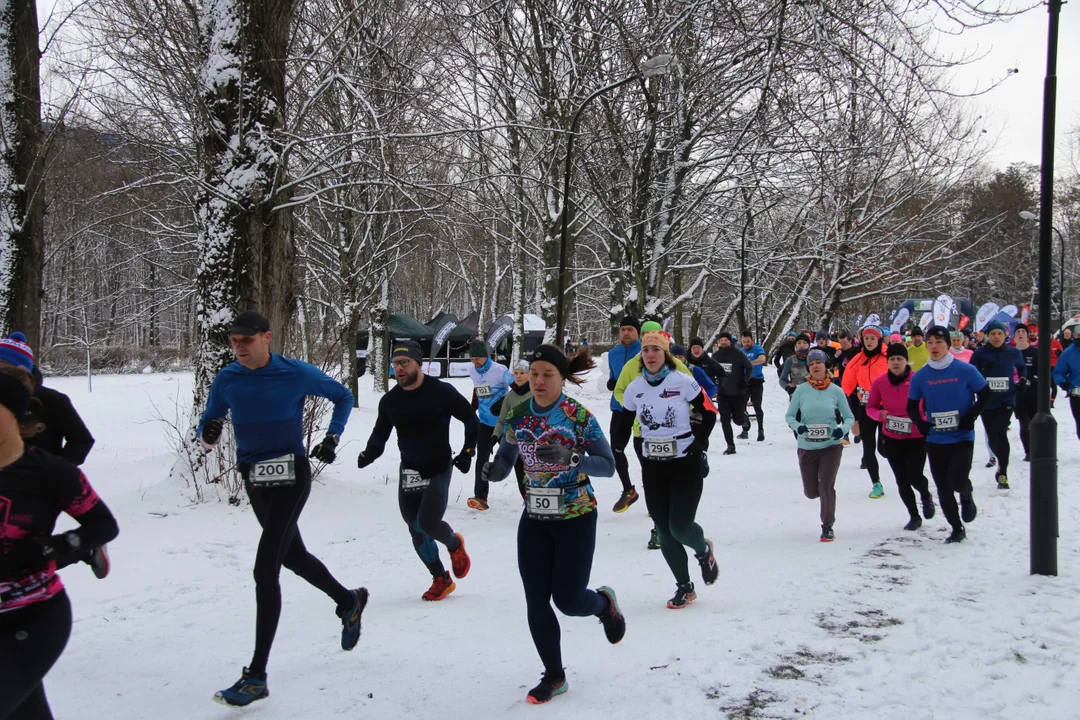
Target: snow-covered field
point(879, 624)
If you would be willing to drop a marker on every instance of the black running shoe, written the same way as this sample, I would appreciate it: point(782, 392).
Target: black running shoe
point(730, 450)
point(827, 533)
point(612, 618)
point(760, 435)
point(967, 508)
point(249, 688)
point(1002, 481)
point(99, 562)
point(550, 686)
point(709, 569)
point(350, 618)
point(654, 539)
point(914, 524)
point(862, 464)
point(928, 509)
point(744, 435)
point(991, 462)
point(684, 595)
point(1027, 458)
point(958, 535)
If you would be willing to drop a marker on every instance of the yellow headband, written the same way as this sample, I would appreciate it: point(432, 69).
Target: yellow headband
point(659, 338)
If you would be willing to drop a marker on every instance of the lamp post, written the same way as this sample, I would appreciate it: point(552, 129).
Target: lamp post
point(1044, 501)
point(1028, 215)
point(659, 65)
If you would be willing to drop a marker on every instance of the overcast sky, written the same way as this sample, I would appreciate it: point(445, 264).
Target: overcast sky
point(1013, 111)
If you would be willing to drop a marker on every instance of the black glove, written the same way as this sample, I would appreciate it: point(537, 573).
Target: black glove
point(611, 384)
point(211, 431)
point(922, 425)
point(324, 451)
point(362, 460)
point(554, 454)
point(801, 430)
point(496, 407)
point(697, 447)
point(463, 461)
point(1022, 384)
point(837, 433)
point(34, 551)
point(492, 471)
point(704, 465)
point(968, 421)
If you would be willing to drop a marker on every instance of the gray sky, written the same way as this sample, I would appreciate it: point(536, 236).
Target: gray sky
point(1013, 111)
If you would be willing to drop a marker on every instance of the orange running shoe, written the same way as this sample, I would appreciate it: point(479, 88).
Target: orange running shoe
point(440, 588)
point(459, 559)
point(477, 504)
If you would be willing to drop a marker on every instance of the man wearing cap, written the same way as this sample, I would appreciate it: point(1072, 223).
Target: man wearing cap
point(952, 393)
point(917, 352)
point(1005, 371)
point(491, 383)
point(629, 347)
point(265, 394)
point(419, 408)
point(733, 387)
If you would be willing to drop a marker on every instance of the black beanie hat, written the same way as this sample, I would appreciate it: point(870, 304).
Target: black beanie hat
point(724, 334)
point(550, 354)
point(630, 321)
point(697, 341)
point(13, 395)
point(805, 338)
point(897, 349)
point(939, 331)
point(916, 330)
point(407, 348)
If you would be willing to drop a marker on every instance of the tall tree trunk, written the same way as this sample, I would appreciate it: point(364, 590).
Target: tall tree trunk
point(21, 203)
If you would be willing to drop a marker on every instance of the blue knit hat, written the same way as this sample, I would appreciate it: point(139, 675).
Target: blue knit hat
point(15, 351)
point(997, 325)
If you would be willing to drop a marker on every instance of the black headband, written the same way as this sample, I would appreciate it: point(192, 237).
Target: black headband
point(550, 354)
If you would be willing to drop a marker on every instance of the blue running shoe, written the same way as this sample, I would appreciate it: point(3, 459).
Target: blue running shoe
point(350, 620)
point(246, 690)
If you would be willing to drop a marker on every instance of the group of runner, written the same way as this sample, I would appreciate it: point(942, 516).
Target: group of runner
point(525, 422)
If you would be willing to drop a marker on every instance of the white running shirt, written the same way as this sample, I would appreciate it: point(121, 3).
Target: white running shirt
point(663, 411)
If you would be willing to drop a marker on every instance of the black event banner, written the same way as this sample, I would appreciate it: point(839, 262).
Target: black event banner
point(442, 332)
point(499, 329)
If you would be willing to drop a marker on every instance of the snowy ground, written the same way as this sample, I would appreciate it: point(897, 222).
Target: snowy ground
point(879, 624)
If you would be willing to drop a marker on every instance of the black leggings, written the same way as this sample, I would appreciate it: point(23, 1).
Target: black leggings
point(1074, 405)
point(555, 559)
point(278, 510)
point(996, 424)
point(757, 388)
point(731, 407)
point(907, 459)
point(672, 493)
point(870, 435)
point(31, 640)
point(422, 511)
point(484, 445)
point(951, 465)
point(622, 466)
point(1026, 406)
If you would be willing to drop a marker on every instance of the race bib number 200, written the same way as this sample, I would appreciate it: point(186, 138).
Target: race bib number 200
point(277, 472)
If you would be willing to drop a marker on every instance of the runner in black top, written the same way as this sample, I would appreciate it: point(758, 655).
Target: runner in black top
point(420, 408)
point(35, 615)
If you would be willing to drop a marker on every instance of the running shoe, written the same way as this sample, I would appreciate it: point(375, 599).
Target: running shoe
point(709, 569)
point(827, 533)
point(877, 491)
point(440, 588)
point(928, 510)
point(967, 508)
point(684, 595)
point(612, 618)
point(744, 435)
point(914, 523)
point(760, 435)
point(246, 690)
point(350, 619)
point(99, 562)
point(551, 684)
point(862, 463)
point(1002, 481)
point(991, 462)
point(459, 559)
point(1027, 457)
point(628, 498)
point(477, 504)
point(654, 539)
point(730, 450)
point(957, 535)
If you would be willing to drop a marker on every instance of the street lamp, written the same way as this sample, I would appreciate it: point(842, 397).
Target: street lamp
point(1028, 215)
point(1044, 495)
point(659, 65)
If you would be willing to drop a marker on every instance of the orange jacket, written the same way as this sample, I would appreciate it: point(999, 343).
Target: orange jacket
point(862, 372)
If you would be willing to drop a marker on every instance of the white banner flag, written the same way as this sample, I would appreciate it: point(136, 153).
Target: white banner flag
point(900, 319)
point(985, 314)
point(926, 320)
point(944, 309)
point(1010, 310)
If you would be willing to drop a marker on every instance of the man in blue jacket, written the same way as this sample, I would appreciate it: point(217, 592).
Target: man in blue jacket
point(628, 348)
point(491, 383)
point(1005, 371)
point(952, 393)
point(265, 394)
point(1067, 377)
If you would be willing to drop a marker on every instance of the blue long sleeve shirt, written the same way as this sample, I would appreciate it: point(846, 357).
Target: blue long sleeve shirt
point(1067, 370)
point(704, 381)
point(617, 357)
point(267, 405)
point(1001, 367)
point(944, 392)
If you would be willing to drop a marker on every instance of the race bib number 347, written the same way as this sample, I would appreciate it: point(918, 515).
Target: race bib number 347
point(947, 420)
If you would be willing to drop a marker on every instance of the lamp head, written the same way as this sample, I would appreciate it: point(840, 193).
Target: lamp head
point(658, 65)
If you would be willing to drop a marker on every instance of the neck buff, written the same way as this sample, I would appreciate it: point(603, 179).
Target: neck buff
point(654, 378)
point(942, 363)
point(871, 353)
point(819, 384)
point(899, 379)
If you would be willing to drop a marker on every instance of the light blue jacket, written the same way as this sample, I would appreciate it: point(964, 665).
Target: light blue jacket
point(819, 407)
point(616, 358)
point(499, 379)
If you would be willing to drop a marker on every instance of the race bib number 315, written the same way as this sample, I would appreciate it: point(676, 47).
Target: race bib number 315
point(898, 425)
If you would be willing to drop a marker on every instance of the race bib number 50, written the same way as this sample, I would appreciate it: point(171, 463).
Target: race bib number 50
point(545, 503)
